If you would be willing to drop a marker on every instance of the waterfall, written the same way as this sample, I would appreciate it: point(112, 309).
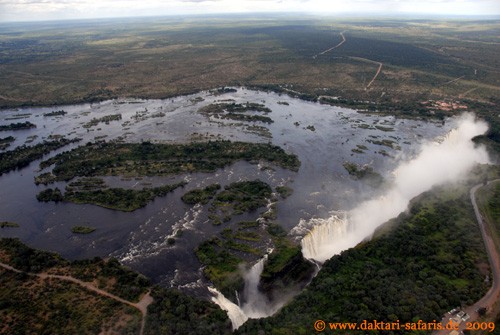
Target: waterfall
point(446, 160)
point(255, 304)
point(325, 236)
point(234, 312)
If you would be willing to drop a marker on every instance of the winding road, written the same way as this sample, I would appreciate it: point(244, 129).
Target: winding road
point(489, 299)
point(366, 60)
point(452, 81)
point(375, 76)
point(328, 50)
point(142, 305)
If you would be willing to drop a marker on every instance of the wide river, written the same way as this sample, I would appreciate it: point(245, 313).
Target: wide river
point(322, 136)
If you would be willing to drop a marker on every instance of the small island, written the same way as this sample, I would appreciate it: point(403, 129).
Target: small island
point(6, 141)
point(82, 230)
point(94, 191)
point(234, 111)
point(8, 224)
point(23, 155)
point(201, 196)
point(56, 113)
point(18, 126)
point(238, 198)
point(105, 119)
point(148, 159)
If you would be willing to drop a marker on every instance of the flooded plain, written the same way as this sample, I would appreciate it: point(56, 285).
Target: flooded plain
point(323, 137)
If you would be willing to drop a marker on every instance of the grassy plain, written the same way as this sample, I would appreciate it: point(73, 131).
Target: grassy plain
point(391, 65)
point(67, 62)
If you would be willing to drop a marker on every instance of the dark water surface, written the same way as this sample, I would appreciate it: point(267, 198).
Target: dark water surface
point(139, 239)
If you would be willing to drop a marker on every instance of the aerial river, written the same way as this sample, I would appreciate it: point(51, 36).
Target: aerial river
point(323, 137)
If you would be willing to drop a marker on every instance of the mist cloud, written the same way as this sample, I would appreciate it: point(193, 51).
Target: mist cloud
point(437, 163)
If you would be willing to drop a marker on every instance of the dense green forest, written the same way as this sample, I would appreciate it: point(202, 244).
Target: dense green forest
point(175, 313)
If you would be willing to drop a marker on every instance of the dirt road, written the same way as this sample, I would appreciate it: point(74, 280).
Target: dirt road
point(493, 293)
point(142, 305)
point(328, 50)
point(375, 76)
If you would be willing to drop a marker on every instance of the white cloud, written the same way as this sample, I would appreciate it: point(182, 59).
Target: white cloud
point(11, 10)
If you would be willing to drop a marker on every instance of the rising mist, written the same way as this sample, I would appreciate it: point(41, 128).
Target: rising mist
point(437, 163)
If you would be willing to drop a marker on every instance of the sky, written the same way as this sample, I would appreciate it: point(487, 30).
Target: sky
point(37, 10)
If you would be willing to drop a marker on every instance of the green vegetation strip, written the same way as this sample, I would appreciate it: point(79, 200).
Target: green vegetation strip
point(18, 126)
point(234, 111)
point(120, 199)
point(105, 119)
point(82, 230)
point(201, 196)
point(6, 141)
point(488, 198)
point(56, 113)
point(146, 159)
point(8, 224)
point(23, 155)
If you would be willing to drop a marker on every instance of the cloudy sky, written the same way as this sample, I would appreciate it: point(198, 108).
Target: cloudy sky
point(33, 10)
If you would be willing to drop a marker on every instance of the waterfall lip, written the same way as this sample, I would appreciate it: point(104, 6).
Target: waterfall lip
point(306, 226)
point(317, 242)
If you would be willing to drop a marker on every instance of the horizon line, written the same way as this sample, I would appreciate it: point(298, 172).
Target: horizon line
point(346, 15)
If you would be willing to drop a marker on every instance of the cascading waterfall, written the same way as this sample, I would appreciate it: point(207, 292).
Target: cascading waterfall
point(325, 235)
point(438, 163)
point(234, 312)
point(255, 304)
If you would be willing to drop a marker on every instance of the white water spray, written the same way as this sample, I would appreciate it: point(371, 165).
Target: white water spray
point(256, 305)
point(436, 164)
